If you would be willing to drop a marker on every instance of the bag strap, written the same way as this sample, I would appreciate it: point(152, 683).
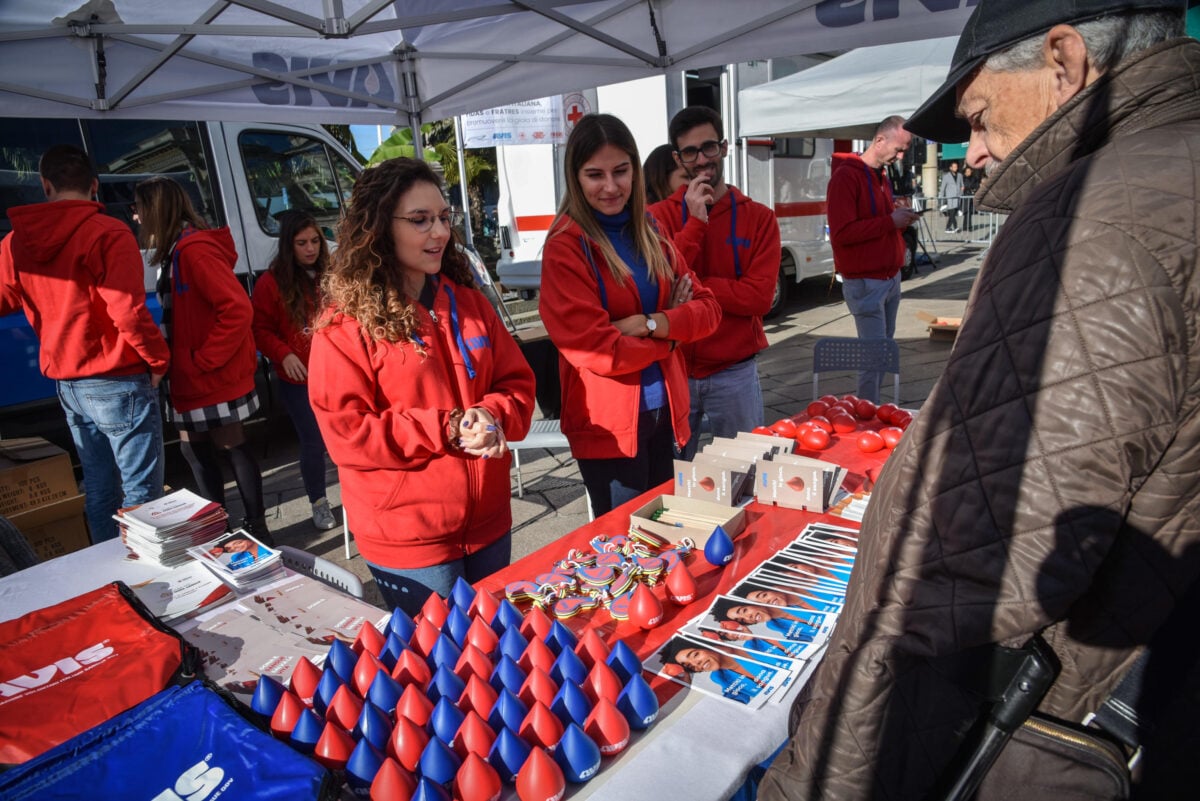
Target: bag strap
point(1135, 704)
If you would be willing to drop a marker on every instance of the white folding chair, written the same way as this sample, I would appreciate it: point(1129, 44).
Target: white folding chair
point(543, 434)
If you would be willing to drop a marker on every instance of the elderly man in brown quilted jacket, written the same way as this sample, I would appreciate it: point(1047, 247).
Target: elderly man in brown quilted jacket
point(1050, 483)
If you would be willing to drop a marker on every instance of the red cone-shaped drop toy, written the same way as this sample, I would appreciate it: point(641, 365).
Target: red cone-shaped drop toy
point(540, 778)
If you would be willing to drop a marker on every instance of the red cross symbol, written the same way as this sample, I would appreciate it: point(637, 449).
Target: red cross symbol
point(575, 114)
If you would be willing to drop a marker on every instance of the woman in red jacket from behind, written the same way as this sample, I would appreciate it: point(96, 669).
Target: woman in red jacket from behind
point(285, 306)
point(616, 299)
point(206, 320)
point(417, 387)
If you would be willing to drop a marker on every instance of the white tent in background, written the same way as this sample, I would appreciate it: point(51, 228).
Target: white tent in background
point(846, 97)
point(398, 62)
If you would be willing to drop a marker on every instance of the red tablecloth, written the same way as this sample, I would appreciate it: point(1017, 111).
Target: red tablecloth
point(768, 529)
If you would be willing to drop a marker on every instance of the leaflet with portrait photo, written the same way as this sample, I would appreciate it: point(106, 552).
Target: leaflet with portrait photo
point(838, 538)
point(762, 589)
point(739, 618)
point(794, 568)
point(717, 670)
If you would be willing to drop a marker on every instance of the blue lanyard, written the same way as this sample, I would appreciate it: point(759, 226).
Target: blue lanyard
point(733, 240)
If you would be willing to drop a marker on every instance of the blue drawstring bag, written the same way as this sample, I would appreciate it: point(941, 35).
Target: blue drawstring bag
point(182, 744)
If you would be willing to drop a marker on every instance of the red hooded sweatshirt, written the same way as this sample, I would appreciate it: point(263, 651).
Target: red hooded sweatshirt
point(601, 369)
point(383, 408)
point(275, 334)
point(866, 243)
point(736, 255)
point(78, 274)
point(212, 347)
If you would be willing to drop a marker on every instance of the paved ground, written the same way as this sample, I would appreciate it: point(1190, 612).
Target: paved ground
point(553, 502)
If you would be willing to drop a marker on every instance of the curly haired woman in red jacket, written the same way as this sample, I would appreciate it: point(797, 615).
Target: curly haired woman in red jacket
point(417, 387)
point(285, 306)
point(206, 320)
point(616, 298)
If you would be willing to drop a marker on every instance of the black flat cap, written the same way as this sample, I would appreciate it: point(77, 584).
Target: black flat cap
point(996, 25)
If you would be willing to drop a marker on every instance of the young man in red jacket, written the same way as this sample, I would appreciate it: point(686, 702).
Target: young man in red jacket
point(78, 275)
point(866, 231)
point(732, 244)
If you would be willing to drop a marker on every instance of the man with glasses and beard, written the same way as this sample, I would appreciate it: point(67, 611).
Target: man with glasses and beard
point(732, 244)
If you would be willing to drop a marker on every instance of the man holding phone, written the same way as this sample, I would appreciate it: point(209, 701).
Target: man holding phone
point(866, 232)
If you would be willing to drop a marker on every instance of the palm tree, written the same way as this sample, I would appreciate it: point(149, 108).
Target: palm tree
point(441, 150)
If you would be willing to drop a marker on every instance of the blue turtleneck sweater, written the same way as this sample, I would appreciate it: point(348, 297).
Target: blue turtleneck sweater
point(616, 227)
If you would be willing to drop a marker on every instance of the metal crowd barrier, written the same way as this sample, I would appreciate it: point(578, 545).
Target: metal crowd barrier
point(972, 226)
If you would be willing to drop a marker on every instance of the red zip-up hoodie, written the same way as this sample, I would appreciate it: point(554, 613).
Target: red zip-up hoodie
point(383, 408)
point(736, 255)
point(274, 332)
point(212, 347)
point(78, 274)
point(866, 243)
point(601, 369)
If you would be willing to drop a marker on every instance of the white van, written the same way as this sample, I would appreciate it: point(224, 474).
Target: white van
point(238, 174)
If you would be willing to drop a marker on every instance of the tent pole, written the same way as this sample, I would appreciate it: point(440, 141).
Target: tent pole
point(462, 182)
point(412, 96)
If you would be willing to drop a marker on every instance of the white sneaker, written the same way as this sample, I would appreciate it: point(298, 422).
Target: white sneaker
point(322, 515)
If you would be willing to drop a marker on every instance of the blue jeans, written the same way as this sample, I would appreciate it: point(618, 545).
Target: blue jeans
point(312, 447)
point(117, 428)
point(409, 588)
point(731, 400)
point(612, 482)
point(874, 303)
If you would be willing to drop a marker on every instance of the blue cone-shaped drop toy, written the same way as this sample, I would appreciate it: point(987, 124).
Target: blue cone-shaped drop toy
point(445, 720)
point(508, 754)
point(508, 711)
point(624, 661)
point(462, 595)
point(577, 755)
point(719, 548)
point(364, 762)
point(438, 762)
point(267, 693)
point(307, 731)
point(571, 704)
point(638, 703)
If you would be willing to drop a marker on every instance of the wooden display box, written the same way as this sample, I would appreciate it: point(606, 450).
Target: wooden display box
point(732, 519)
point(33, 473)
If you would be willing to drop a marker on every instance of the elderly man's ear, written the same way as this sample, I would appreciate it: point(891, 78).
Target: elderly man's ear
point(1067, 57)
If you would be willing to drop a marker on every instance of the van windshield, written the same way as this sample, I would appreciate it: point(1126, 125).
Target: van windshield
point(294, 171)
point(125, 152)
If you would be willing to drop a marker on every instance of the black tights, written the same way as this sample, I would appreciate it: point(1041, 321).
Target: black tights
point(201, 455)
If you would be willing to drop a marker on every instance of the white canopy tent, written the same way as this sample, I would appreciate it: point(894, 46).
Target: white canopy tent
point(398, 62)
point(846, 97)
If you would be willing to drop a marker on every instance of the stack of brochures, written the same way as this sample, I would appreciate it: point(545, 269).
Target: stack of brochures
point(240, 560)
point(161, 531)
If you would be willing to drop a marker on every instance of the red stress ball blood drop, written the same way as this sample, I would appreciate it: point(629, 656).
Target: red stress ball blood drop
point(540, 778)
point(645, 610)
point(785, 427)
point(870, 441)
point(815, 439)
point(681, 585)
